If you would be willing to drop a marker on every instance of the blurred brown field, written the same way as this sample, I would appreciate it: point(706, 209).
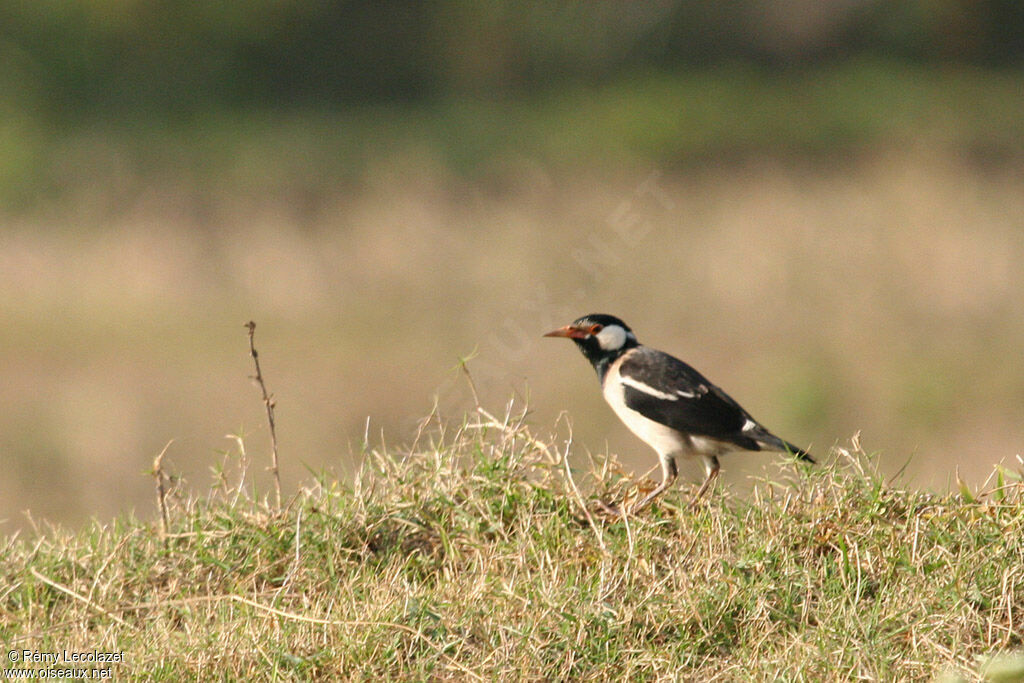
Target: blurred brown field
point(879, 294)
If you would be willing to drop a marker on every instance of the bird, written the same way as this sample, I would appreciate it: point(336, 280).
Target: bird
point(668, 404)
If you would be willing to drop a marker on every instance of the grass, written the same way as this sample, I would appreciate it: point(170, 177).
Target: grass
point(470, 554)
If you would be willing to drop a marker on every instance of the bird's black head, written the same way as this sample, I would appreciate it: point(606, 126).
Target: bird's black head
point(601, 338)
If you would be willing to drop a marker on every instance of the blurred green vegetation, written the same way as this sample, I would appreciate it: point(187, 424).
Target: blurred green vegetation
point(81, 59)
point(671, 119)
point(281, 93)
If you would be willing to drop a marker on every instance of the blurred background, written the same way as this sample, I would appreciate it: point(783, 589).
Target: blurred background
point(818, 204)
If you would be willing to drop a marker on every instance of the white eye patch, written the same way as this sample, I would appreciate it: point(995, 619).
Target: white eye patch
point(612, 337)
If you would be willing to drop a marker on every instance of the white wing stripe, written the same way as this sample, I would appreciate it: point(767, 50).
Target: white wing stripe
point(649, 390)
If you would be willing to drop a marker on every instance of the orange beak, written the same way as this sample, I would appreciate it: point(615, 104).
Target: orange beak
point(568, 331)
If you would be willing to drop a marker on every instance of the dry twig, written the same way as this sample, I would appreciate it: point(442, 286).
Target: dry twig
point(269, 403)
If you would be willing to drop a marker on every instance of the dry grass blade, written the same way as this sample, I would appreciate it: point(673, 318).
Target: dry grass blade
point(81, 598)
point(356, 623)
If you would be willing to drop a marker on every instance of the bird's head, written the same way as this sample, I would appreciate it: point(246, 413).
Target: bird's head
point(598, 336)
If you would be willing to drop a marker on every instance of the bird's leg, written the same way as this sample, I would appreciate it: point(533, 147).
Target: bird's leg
point(668, 475)
point(712, 468)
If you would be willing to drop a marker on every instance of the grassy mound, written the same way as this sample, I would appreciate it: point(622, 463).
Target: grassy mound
point(470, 554)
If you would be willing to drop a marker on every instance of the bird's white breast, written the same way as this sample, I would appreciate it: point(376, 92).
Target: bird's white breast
point(663, 439)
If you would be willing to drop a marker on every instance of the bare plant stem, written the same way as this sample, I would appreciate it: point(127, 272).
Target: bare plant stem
point(269, 403)
point(161, 490)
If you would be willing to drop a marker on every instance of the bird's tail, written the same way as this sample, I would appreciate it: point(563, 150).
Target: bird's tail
point(800, 453)
point(775, 443)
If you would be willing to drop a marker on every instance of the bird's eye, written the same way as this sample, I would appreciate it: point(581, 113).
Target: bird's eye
point(594, 329)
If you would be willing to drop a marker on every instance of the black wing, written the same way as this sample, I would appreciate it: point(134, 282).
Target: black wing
point(684, 400)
